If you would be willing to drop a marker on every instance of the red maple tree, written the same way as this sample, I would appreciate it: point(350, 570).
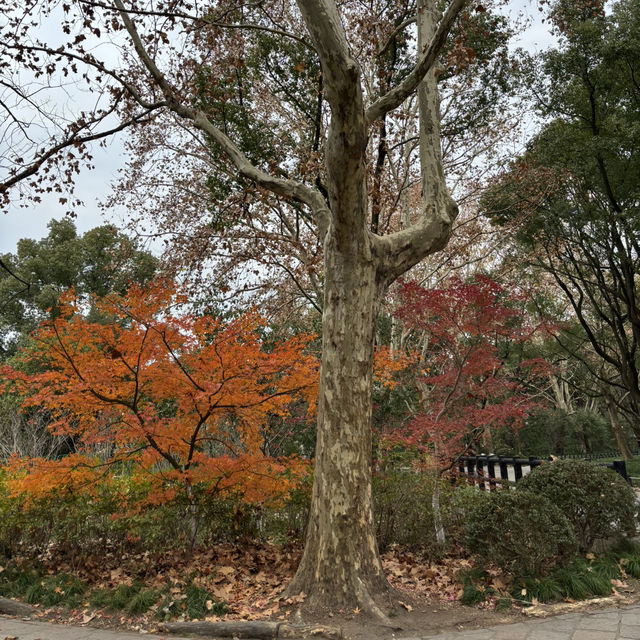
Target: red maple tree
point(472, 379)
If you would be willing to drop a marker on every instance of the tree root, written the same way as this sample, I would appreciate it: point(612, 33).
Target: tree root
point(370, 607)
point(259, 629)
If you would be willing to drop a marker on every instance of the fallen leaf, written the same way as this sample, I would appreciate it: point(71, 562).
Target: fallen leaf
point(87, 617)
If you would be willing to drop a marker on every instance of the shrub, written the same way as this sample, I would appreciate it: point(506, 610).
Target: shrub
point(118, 514)
point(522, 532)
point(403, 510)
point(457, 505)
point(597, 501)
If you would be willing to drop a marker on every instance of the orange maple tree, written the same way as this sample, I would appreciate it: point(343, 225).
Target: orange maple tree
point(179, 398)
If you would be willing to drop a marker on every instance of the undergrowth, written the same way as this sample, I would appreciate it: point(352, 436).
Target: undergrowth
point(29, 584)
point(195, 602)
point(583, 578)
point(33, 587)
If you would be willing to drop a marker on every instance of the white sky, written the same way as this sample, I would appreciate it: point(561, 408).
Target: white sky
point(93, 186)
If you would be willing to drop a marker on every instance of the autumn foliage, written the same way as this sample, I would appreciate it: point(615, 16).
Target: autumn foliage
point(471, 380)
point(181, 401)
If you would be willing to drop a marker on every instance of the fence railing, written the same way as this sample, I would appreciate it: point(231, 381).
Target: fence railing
point(488, 472)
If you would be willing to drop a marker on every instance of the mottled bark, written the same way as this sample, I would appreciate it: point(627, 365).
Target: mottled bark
point(561, 394)
point(341, 566)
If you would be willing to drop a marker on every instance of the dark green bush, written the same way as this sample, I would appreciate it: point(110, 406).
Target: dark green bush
point(457, 505)
point(597, 501)
point(521, 532)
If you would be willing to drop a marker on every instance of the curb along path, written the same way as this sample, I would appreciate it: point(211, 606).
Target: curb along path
point(608, 624)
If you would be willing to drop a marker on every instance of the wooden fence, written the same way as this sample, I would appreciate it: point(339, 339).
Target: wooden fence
point(488, 472)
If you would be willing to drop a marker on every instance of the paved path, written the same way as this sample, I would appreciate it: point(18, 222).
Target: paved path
point(608, 624)
point(35, 630)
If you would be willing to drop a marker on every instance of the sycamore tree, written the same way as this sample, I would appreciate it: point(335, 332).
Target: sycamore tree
point(180, 66)
point(269, 94)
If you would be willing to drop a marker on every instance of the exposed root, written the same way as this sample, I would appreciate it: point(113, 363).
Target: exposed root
point(369, 606)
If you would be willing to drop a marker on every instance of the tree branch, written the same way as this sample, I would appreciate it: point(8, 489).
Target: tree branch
point(280, 186)
point(401, 92)
point(340, 70)
point(73, 140)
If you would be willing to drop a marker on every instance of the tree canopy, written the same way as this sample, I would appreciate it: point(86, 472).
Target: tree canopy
point(185, 399)
point(573, 199)
point(101, 261)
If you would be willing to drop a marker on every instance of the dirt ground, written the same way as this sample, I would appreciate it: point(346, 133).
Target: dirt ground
point(421, 616)
point(427, 616)
point(435, 617)
point(251, 579)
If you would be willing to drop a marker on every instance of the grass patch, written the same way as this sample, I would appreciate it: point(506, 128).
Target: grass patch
point(631, 565)
point(576, 582)
point(597, 584)
point(63, 590)
point(196, 603)
point(572, 583)
point(473, 589)
point(15, 582)
point(30, 585)
point(131, 598)
point(582, 578)
point(142, 601)
point(120, 596)
point(100, 598)
point(471, 594)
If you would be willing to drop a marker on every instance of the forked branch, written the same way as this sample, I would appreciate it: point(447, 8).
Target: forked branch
point(280, 186)
point(408, 86)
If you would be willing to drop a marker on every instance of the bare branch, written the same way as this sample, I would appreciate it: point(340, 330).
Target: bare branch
point(401, 92)
point(74, 140)
point(280, 186)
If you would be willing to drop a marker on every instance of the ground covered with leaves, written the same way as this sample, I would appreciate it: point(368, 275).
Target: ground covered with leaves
point(246, 581)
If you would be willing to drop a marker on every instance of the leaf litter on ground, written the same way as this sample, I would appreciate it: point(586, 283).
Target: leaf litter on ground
point(248, 577)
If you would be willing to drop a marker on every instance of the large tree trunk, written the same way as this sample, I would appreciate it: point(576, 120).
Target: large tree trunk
point(341, 566)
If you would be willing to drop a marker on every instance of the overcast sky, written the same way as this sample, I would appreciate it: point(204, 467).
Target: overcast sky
point(93, 186)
